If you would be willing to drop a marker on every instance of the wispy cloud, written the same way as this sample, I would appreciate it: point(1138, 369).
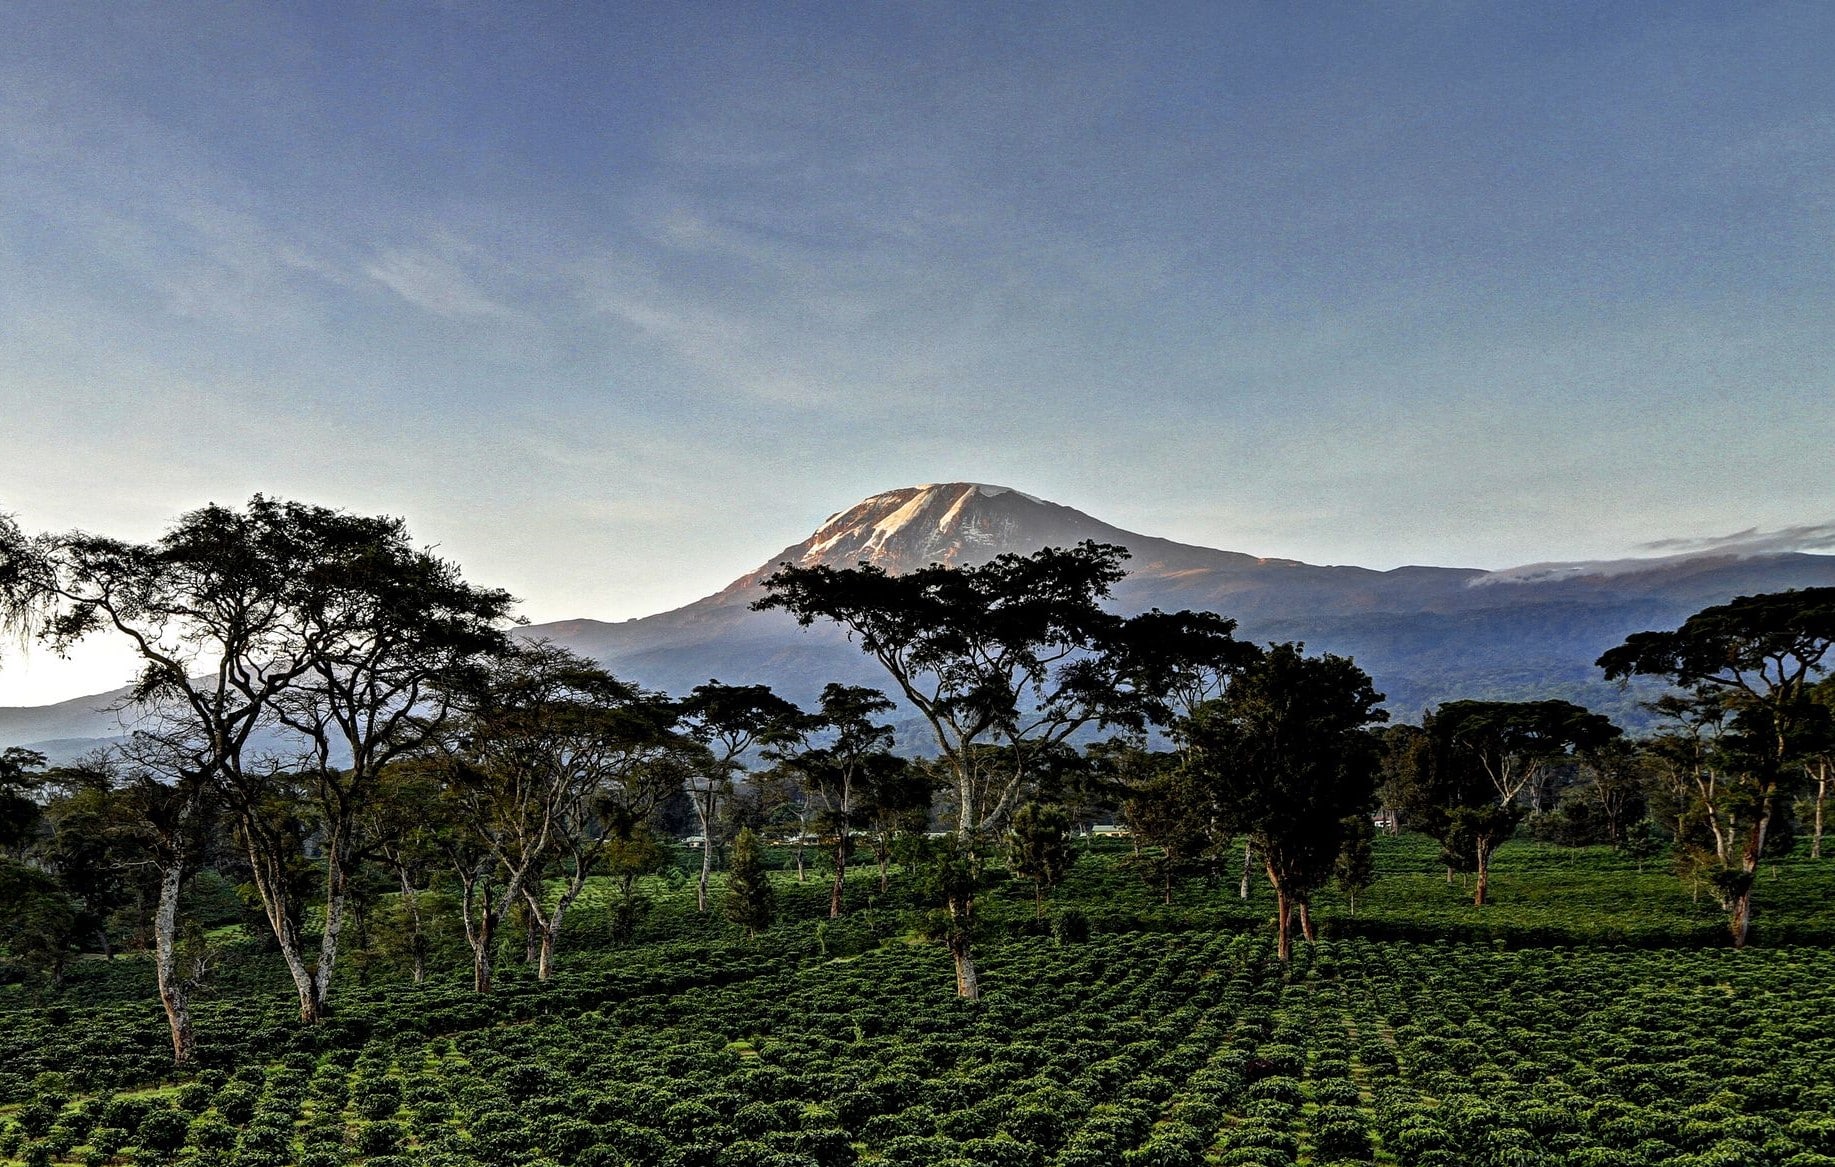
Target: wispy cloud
point(1751, 541)
point(433, 283)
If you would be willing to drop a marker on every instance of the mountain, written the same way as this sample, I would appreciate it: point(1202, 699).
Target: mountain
point(1426, 634)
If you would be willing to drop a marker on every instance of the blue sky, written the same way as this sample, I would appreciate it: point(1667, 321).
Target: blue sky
point(615, 301)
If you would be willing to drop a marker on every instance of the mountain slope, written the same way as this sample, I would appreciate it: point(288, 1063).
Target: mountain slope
point(1426, 634)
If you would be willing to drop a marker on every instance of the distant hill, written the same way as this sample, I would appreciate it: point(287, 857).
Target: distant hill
point(1426, 634)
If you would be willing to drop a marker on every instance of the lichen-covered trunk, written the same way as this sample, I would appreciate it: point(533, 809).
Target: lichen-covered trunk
point(267, 865)
point(172, 994)
point(481, 961)
point(480, 915)
point(1822, 797)
point(550, 925)
point(1248, 865)
point(337, 897)
point(1484, 873)
point(704, 810)
point(968, 986)
point(1739, 912)
point(417, 940)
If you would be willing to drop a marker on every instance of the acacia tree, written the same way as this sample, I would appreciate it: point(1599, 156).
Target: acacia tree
point(897, 804)
point(1286, 754)
point(839, 775)
point(1171, 817)
point(1016, 653)
point(1483, 756)
point(281, 616)
point(1756, 657)
point(20, 779)
point(206, 610)
point(1818, 753)
point(544, 736)
point(621, 744)
point(403, 820)
point(729, 721)
point(393, 631)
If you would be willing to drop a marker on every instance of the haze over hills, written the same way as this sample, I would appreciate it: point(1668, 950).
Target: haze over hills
point(1426, 634)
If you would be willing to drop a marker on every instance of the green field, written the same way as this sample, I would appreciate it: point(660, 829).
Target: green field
point(1592, 1015)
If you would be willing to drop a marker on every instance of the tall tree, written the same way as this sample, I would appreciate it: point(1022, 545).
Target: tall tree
point(1017, 652)
point(838, 775)
point(1818, 753)
point(730, 721)
point(278, 616)
point(1287, 755)
point(392, 632)
point(544, 735)
point(951, 875)
point(1172, 818)
point(1484, 756)
point(1757, 656)
point(20, 778)
point(205, 608)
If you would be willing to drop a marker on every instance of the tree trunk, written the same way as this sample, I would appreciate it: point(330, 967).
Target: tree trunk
point(417, 944)
point(481, 960)
point(1248, 857)
point(1739, 920)
point(834, 891)
point(968, 986)
point(267, 866)
point(704, 809)
point(546, 929)
point(480, 927)
point(1484, 874)
point(337, 885)
point(172, 992)
point(1822, 795)
point(1283, 925)
point(1306, 922)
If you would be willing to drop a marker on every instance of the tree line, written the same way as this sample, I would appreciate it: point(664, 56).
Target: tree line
point(320, 699)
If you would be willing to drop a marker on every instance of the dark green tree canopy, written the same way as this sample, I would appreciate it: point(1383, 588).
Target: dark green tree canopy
point(1491, 749)
point(1755, 644)
point(1286, 755)
point(1018, 653)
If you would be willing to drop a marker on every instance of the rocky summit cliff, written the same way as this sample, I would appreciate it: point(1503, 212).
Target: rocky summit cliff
point(1426, 634)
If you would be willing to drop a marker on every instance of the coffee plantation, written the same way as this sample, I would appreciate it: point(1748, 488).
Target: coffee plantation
point(1548, 1029)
